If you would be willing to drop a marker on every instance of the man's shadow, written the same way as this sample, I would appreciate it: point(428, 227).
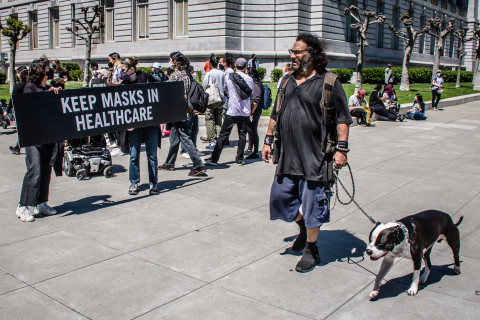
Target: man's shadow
point(397, 286)
point(334, 245)
point(97, 202)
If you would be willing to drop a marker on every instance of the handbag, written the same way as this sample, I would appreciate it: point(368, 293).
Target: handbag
point(213, 92)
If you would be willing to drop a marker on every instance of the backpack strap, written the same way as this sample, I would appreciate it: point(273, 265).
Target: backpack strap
point(328, 110)
point(281, 92)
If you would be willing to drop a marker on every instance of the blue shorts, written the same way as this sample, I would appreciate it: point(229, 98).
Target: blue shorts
point(289, 192)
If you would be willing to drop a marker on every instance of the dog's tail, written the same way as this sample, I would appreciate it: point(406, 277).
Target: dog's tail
point(459, 221)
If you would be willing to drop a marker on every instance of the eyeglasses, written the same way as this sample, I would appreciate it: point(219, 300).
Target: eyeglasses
point(296, 52)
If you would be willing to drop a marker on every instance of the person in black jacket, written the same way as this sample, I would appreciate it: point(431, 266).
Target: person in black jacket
point(256, 102)
point(39, 158)
point(22, 73)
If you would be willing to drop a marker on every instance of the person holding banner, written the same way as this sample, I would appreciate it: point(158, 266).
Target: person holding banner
point(179, 133)
point(39, 158)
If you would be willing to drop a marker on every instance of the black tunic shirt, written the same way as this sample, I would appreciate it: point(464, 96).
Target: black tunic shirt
point(302, 129)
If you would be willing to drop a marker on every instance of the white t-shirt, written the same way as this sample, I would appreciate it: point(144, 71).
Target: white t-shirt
point(356, 102)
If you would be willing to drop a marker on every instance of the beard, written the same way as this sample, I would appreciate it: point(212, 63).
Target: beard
point(304, 64)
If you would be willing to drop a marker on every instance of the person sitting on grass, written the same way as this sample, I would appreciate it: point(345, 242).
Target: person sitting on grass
point(418, 109)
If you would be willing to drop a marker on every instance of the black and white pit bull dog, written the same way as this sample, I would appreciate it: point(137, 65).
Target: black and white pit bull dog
point(413, 237)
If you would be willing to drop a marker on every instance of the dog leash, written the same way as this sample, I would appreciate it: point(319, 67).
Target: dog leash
point(352, 196)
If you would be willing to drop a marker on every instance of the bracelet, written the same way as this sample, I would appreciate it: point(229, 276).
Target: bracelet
point(342, 144)
point(342, 149)
point(268, 140)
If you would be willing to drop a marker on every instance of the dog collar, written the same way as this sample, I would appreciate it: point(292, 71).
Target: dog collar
point(406, 245)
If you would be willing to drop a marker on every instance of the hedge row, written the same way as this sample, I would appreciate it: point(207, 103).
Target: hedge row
point(416, 75)
point(3, 77)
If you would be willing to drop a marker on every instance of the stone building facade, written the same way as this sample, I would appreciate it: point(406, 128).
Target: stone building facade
point(151, 29)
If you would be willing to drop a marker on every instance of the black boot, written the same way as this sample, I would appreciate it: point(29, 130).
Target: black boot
point(301, 241)
point(309, 259)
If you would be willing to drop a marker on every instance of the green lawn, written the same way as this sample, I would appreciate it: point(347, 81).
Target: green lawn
point(403, 96)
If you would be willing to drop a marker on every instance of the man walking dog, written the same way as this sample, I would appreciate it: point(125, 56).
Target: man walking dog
point(308, 145)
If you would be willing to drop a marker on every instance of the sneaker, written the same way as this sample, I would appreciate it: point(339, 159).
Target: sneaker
point(204, 139)
point(44, 208)
point(200, 153)
point(370, 125)
point(24, 214)
point(133, 190)
point(401, 117)
point(116, 152)
point(309, 259)
point(211, 146)
point(210, 162)
point(153, 191)
point(253, 155)
point(184, 155)
point(14, 150)
point(165, 167)
point(240, 162)
point(197, 172)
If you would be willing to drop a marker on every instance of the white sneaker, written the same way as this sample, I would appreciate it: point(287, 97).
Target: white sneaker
point(116, 152)
point(113, 145)
point(44, 208)
point(184, 155)
point(24, 214)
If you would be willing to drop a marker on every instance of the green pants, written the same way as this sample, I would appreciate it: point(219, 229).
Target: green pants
point(213, 121)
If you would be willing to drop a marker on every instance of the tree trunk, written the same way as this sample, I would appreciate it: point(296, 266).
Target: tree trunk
point(405, 84)
point(438, 52)
point(11, 71)
point(459, 68)
point(475, 66)
point(358, 82)
point(86, 67)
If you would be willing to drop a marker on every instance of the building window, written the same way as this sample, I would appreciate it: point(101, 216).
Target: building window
point(421, 47)
point(109, 19)
point(180, 18)
point(396, 24)
point(350, 33)
point(34, 33)
point(450, 48)
point(54, 28)
point(142, 19)
point(74, 38)
point(380, 9)
point(432, 44)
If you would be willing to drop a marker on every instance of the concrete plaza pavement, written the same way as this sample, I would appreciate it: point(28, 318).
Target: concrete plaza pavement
point(204, 248)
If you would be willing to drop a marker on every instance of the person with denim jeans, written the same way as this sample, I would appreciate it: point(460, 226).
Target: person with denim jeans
point(151, 137)
point(192, 131)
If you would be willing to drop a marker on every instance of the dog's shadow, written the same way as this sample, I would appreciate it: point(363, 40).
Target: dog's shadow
point(397, 286)
point(342, 245)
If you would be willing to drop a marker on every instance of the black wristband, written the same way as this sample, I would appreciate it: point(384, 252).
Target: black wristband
point(268, 140)
point(342, 144)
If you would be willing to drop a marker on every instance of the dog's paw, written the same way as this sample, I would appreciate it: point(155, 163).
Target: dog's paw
point(456, 269)
point(412, 290)
point(373, 294)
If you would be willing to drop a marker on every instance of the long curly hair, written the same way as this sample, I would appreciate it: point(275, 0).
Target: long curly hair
point(180, 61)
point(316, 47)
point(37, 72)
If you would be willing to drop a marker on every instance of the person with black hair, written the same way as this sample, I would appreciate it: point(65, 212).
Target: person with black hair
point(22, 74)
point(179, 132)
point(39, 158)
point(213, 115)
point(192, 124)
point(60, 75)
point(302, 175)
point(257, 102)
point(239, 89)
point(418, 109)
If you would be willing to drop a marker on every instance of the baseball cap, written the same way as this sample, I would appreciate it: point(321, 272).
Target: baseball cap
point(362, 93)
point(241, 63)
point(156, 65)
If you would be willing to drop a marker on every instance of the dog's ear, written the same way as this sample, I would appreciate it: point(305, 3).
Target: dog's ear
point(397, 234)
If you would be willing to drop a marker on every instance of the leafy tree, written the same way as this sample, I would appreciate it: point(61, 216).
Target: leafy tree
point(437, 32)
point(409, 36)
point(362, 26)
point(89, 28)
point(15, 30)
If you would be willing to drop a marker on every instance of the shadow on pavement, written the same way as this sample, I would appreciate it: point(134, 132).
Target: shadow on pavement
point(395, 287)
point(334, 245)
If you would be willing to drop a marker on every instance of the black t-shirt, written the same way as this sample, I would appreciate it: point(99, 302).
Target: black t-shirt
point(32, 87)
point(302, 129)
point(17, 88)
point(374, 99)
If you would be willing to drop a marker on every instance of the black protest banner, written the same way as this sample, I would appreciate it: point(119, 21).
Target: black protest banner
point(46, 117)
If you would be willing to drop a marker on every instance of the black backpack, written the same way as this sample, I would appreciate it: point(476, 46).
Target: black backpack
point(197, 97)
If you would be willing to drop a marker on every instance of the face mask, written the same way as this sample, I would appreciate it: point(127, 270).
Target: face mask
point(439, 74)
point(50, 73)
point(110, 65)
